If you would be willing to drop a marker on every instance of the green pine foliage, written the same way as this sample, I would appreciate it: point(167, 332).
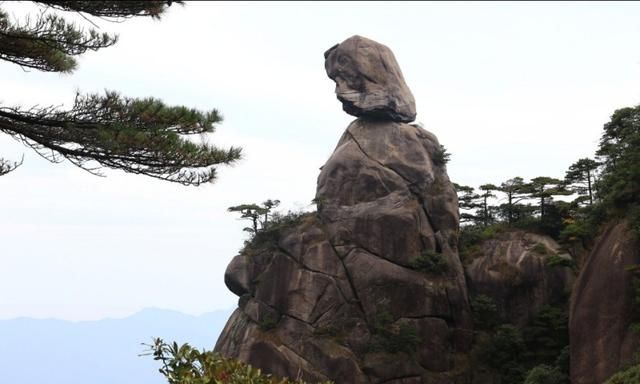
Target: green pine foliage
point(630, 375)
point(545, 374)
point(136, 135)
point(484, 312)
point(430, 262)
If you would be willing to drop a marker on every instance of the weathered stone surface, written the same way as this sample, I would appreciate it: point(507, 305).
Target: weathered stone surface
point(383, 286)
point(330, 287)
point(369, 81)
point(601, 308)
point(512, 269)
point(434, 347)
point(237, 275)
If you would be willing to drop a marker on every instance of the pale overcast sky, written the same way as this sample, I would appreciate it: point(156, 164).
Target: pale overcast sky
point(511, 89)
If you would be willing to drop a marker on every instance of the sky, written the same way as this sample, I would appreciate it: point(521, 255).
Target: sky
point(510, 89)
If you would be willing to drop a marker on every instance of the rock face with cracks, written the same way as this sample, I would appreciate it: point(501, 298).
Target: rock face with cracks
point(603, 308)
point(514, 270)
point(369, 289)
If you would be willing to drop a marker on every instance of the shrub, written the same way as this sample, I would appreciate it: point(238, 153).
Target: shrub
point(546, 335)
point(392, 339)
point(430, 262)
point(540, 249)
point(402, 339)
point(545, 374)
point(484, 312)
point(186, 365)
point(506, 345)
point(555, 260)
point(267, 238)
point(628, 376)
point(440, 156)
point(503, 352)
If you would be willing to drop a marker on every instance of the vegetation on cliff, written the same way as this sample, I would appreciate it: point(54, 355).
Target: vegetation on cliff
point(183, 364)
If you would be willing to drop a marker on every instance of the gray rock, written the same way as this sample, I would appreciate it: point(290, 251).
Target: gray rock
point(512, 269)
point(334, 279)
point(602, 307)
point(369, 81)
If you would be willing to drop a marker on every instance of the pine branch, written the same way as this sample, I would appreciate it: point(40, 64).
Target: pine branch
point(7, 166)
point(141, 136)
point(48, 43)
point(114, 9)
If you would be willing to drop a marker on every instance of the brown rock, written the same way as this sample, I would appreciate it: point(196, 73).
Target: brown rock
point(386, 287)
point(237, 277)
point(335, 278)
point(512, 269)
point(601, 308)
point(434, 348)
point(369, 81)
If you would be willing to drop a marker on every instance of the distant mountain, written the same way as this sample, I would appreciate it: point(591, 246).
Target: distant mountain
point(34, 351)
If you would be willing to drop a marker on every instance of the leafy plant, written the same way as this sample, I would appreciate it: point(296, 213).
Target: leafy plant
point(440, 156)
point(484, 311)
point(431, 262)
point(555, 260)
point(391, 338)
point(627, 376)
point(267, 238)
point(540, 249)
point(186, 365)
point(545, 374)
point(504, 352)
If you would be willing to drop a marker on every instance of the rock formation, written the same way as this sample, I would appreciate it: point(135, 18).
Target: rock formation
point(514, 270)
point(601, 339)
point(370, 288)
point(369, 81)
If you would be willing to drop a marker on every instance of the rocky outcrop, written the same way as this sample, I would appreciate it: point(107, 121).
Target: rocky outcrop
point(369, 81)
point(370, 288)
point(602, 308)
point(521, 272)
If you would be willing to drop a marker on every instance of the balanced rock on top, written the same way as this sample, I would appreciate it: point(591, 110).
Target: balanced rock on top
point(369, 81)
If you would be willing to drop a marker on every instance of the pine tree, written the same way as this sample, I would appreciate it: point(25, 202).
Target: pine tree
point(468, 201)
point(515, 190)
point(486, 214)
point(544, 188)
point(581, 178)
point(141, 136)
point(619, 153)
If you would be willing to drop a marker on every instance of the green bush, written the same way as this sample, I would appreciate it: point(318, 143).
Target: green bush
point(559, 261)
point(506, 345)
point(431, 262)
point(484, 312)
point(186, 365)
point(545, 374)
point(563, 360)
point(546, 335)
point(628, 376)
point(392, 339)
point(540, 249)
point(440, 156)
point(267, 238)
point(402, 339)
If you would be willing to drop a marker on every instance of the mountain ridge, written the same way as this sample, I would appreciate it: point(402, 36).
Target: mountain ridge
point(102, 351)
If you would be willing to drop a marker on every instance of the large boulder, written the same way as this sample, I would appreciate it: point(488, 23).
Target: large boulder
point(601, 339)
point(522, 272)
point(370, 288)
point(369, 81)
